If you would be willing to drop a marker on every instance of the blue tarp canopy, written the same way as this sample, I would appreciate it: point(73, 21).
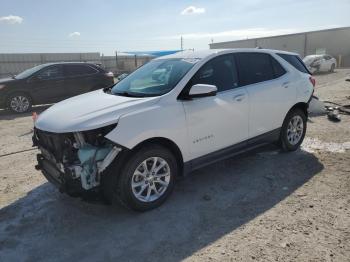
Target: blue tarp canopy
point(153, 53)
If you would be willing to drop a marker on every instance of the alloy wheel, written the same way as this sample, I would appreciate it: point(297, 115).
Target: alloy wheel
point(295, 130)
point(19, 104)
point(150, 179)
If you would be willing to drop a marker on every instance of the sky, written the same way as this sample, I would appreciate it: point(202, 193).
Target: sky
point(107, 26)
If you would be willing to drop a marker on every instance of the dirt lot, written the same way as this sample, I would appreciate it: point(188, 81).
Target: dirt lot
point(262, 206)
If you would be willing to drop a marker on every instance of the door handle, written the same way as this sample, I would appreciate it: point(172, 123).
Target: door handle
point(239, 97)
point(285, 84)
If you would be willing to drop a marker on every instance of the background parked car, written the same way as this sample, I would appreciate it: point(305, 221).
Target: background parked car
point(320, 63)
point(50, 83)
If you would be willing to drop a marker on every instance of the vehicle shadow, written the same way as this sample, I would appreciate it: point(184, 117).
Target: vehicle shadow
point(206, 205)
point(8, 115)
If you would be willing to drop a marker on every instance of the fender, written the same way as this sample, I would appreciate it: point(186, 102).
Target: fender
point(155, 121)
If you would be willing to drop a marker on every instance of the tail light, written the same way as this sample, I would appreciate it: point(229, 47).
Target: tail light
point(313, 81)
point(109, 74)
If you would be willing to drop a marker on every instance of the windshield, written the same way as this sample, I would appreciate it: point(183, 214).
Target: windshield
point(154, 78)
point(29, 72)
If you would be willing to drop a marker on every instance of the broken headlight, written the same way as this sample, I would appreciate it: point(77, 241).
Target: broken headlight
point(96, 137)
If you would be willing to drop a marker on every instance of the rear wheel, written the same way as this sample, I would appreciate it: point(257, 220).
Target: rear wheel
point(293, 130)
point(145, 181)
point(19, 102)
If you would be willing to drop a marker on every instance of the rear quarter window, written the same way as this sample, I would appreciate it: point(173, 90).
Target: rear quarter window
point(277, 68)
point(296, 62)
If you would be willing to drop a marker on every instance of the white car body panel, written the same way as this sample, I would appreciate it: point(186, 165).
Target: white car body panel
point(89, 111)
point(269, 103)
point(217, 122)
point(159, 121)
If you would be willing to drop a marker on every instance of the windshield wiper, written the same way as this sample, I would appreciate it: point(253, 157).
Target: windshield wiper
point(125, 93)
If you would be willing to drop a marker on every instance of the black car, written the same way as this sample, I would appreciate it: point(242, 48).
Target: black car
point(50, 83)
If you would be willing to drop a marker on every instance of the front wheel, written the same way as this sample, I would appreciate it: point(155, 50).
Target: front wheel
point(293, 130)
point(146, 180)
point(19, 103)
point(332, 68)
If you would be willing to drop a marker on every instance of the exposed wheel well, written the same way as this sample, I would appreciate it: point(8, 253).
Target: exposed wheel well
point(167, 143)
point(303, 106)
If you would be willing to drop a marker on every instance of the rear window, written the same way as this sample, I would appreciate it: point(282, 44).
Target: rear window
point(296, 62)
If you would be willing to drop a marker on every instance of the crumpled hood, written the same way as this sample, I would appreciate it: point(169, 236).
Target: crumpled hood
point(89, 111)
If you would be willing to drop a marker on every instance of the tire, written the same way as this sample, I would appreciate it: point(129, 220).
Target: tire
point(332, 68)
point(133, 179)
point(19, 102)
point(293, 130)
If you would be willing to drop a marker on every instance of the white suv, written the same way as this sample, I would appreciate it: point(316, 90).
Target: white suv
point(173, 115)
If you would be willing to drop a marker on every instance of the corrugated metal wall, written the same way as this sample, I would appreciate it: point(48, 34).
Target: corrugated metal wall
point(12, 64)
point(293, 43)
point(249, 43)
point(334, 41)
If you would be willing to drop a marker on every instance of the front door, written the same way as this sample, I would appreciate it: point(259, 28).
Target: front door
point(219, 121)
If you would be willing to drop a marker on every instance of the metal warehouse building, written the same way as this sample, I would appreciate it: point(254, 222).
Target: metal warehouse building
point(335, 42)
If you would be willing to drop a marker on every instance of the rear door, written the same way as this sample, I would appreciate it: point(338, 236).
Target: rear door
point(271, 93)
point(80, 78)
point(48, 85)
point(217, 122)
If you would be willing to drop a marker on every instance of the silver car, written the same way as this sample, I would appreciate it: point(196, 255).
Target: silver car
point(320, 63)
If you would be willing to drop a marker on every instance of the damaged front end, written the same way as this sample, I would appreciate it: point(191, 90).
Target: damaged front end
point(74, 162)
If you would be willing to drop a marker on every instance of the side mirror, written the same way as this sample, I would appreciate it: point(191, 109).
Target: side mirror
point(202, 90)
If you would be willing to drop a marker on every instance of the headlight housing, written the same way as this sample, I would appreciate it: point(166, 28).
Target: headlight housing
point(97, 136)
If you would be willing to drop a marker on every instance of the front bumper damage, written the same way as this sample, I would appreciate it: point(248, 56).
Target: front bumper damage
point(74, 162)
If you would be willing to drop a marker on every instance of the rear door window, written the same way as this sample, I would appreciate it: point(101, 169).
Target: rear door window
point(255, 68)
point(220, 71)
point(79, 70)
point(296, 62)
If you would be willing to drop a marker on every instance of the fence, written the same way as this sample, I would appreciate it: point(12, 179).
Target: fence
point(123, 64)
point(12, 64)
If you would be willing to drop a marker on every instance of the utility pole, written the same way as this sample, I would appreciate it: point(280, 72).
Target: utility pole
point(182, 43)
point(116, 61)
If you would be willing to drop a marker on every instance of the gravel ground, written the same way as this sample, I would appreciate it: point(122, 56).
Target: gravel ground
point(261, 206)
